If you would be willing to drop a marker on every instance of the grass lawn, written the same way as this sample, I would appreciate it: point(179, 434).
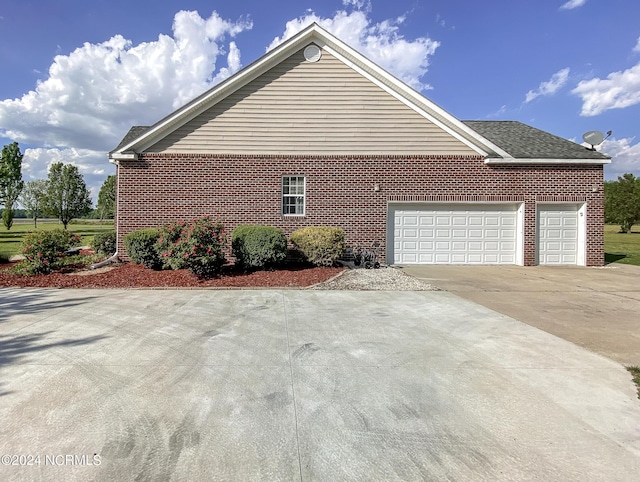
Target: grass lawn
point(635, 373)
point(621, 248)
point(11, 241)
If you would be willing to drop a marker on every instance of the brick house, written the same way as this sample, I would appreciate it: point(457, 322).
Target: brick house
point(313, 133)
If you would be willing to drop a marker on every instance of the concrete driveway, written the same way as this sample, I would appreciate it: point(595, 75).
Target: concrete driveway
point(300, 385)
point(597, 308)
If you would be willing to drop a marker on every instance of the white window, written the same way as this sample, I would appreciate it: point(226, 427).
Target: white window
point(293, 192)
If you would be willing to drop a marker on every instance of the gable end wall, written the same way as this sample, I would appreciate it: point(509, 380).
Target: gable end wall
point(301, 107)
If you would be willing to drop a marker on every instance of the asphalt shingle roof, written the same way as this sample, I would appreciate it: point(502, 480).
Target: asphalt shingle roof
point(133, 134)
point(519, 140)
point(526, 142)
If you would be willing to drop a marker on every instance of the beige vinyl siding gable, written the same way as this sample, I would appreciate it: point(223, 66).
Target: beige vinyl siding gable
point(301, 107)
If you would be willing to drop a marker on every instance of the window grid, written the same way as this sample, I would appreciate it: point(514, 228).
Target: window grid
point(293, 195)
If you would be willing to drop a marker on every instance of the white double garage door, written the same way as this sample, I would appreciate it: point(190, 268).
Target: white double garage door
point(482, 234)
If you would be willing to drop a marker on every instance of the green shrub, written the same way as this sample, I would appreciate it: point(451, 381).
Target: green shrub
point(44, 249)
point(197, 246)
point(104, 243)
point(141, 247)
point(320, 245)
point(258, 246)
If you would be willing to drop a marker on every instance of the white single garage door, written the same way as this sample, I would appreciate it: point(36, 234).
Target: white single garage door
point(558, 234)
point(452, 234)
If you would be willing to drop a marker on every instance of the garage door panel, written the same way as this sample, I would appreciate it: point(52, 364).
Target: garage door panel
point(425, 258)
point(454, 234)
point(410, 258)
point(458, 258)
point(427, 221)
point(442, 258)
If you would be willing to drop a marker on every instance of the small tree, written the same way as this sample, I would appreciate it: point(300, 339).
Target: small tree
point(32, 198)
point(107, 199)
point(622, 201)
point(67, 194)
point(11, 183)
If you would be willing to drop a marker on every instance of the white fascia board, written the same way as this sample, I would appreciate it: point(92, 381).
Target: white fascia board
point(123, 156)
point(512, 160)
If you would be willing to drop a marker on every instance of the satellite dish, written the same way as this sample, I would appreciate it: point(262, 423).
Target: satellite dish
point(595, 138)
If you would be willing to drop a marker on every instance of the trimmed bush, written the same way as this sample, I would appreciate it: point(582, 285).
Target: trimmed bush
point(44, 249)
point(141, 247)
point(197, 246)
point(258, 246)
point(320, 245)
point(104, 243)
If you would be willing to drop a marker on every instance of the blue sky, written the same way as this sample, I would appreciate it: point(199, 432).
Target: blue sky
point(75, 75)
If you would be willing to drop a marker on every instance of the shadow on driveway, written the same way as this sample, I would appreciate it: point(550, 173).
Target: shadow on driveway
point(14, 347)
point(22, 301)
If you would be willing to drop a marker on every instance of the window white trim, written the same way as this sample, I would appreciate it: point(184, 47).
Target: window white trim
point(297, 199)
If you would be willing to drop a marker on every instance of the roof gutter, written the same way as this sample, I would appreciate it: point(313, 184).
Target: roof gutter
point(520, 161)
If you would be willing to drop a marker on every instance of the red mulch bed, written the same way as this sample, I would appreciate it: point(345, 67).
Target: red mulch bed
point(129, 275)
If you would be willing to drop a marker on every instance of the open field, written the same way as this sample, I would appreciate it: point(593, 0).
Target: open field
point(621, 248)
point(11, 241)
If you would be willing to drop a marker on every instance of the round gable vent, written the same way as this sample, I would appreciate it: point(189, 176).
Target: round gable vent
point(312, 53)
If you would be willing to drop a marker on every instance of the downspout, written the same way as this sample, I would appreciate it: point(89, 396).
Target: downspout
point(114, 257)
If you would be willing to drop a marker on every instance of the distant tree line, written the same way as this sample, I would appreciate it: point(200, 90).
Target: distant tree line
point(622, 202)
point(63, 195)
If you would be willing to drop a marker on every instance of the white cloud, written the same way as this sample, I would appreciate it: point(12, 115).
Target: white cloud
point(625, 157)
point(93, 95)
point(557, 81)
point(499, 113)
point(571, 4)
point(380, 42)
point(233, 64)
point(637, 47)
point(358, 4)
point(617, 91)
point(92, 165)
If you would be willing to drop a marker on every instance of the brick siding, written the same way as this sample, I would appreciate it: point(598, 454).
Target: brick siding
point(246, 189)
